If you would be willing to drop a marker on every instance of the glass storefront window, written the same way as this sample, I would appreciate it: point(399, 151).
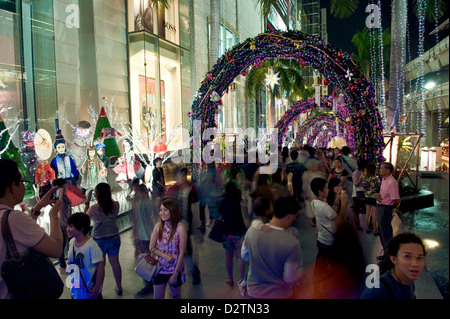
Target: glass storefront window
point(27, 63)
point(10, 66)
point(159, 73)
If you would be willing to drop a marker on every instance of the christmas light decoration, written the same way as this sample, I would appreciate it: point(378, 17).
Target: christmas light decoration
point(327, 103)
point(272, 79)
point(333, 64)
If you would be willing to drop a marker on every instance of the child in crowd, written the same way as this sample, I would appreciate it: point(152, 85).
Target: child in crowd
point(86, 262)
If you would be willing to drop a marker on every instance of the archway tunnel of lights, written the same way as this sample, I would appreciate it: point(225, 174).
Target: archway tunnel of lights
point(330, 107)
point(336, 66)
point(320, 130)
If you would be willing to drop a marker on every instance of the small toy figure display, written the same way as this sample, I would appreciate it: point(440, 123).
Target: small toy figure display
point(128, 168)
point(93, 171)
point(101, 154)
point(81, 140)
point(44, 174)
point(63, 164)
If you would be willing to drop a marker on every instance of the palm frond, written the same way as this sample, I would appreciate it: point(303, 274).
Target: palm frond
point(343, 8)
point(164, 3)
point(264, 6)
point(430, 9)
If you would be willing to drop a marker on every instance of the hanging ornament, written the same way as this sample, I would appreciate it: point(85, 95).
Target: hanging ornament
point(272, 79)
point(215, 97)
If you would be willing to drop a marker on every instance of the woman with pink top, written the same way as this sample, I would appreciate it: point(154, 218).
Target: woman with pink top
point(168, 243)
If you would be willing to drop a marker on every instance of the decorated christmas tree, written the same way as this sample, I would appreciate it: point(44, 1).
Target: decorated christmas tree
point(9, 151)
point(104, 131)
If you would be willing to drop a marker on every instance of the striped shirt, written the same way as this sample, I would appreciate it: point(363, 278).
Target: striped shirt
point(104, 225)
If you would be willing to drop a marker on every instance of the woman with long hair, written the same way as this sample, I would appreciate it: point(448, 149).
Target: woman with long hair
point(334, 188)
point(403, 262)
point(371, 184)
point(168, 243)
point(105, 230)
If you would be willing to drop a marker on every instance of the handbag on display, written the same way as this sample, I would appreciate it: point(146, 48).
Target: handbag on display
point(28, 275)
point(147, 267)
point(216, 232)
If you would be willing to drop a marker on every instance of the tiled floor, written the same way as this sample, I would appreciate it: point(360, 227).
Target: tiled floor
point(212, 267)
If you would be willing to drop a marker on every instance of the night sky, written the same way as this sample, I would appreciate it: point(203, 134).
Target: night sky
point(341, 31)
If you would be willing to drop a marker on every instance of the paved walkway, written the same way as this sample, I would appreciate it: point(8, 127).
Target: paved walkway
point(213, 273)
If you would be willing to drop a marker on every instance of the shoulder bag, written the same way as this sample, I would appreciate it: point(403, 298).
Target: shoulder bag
point(147, 267)
point(29, 275)
point(216, 232)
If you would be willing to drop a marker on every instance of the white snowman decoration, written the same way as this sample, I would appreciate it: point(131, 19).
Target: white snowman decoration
point(81, 141)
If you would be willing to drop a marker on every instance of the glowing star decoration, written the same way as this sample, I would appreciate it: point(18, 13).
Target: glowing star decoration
point(349, 75)
point(272, 79)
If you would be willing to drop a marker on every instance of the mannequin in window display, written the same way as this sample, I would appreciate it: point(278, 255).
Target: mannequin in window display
point(93, 171)
point(128, 167)
point(101, 154)
point(63, 164)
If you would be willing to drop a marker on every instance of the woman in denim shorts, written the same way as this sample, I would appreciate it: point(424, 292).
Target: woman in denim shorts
point(105, 231)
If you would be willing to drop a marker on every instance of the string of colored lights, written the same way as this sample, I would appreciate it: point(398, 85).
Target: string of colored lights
point(336, 67)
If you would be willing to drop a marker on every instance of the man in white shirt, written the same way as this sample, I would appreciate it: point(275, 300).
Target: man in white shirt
point(275, 262)
point(326, 216)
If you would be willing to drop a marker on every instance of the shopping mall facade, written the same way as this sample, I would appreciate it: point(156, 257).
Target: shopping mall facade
point(67, 58)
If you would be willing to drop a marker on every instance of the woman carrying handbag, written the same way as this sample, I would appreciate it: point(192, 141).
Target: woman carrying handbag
point(168, 244)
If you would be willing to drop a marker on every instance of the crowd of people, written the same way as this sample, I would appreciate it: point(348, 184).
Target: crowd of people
point(257, 213)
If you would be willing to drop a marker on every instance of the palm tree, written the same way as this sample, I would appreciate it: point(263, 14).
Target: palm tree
point(345, 8)
point(367, 43)
point(214, 32)
point(290, 85)
point(363, 41)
